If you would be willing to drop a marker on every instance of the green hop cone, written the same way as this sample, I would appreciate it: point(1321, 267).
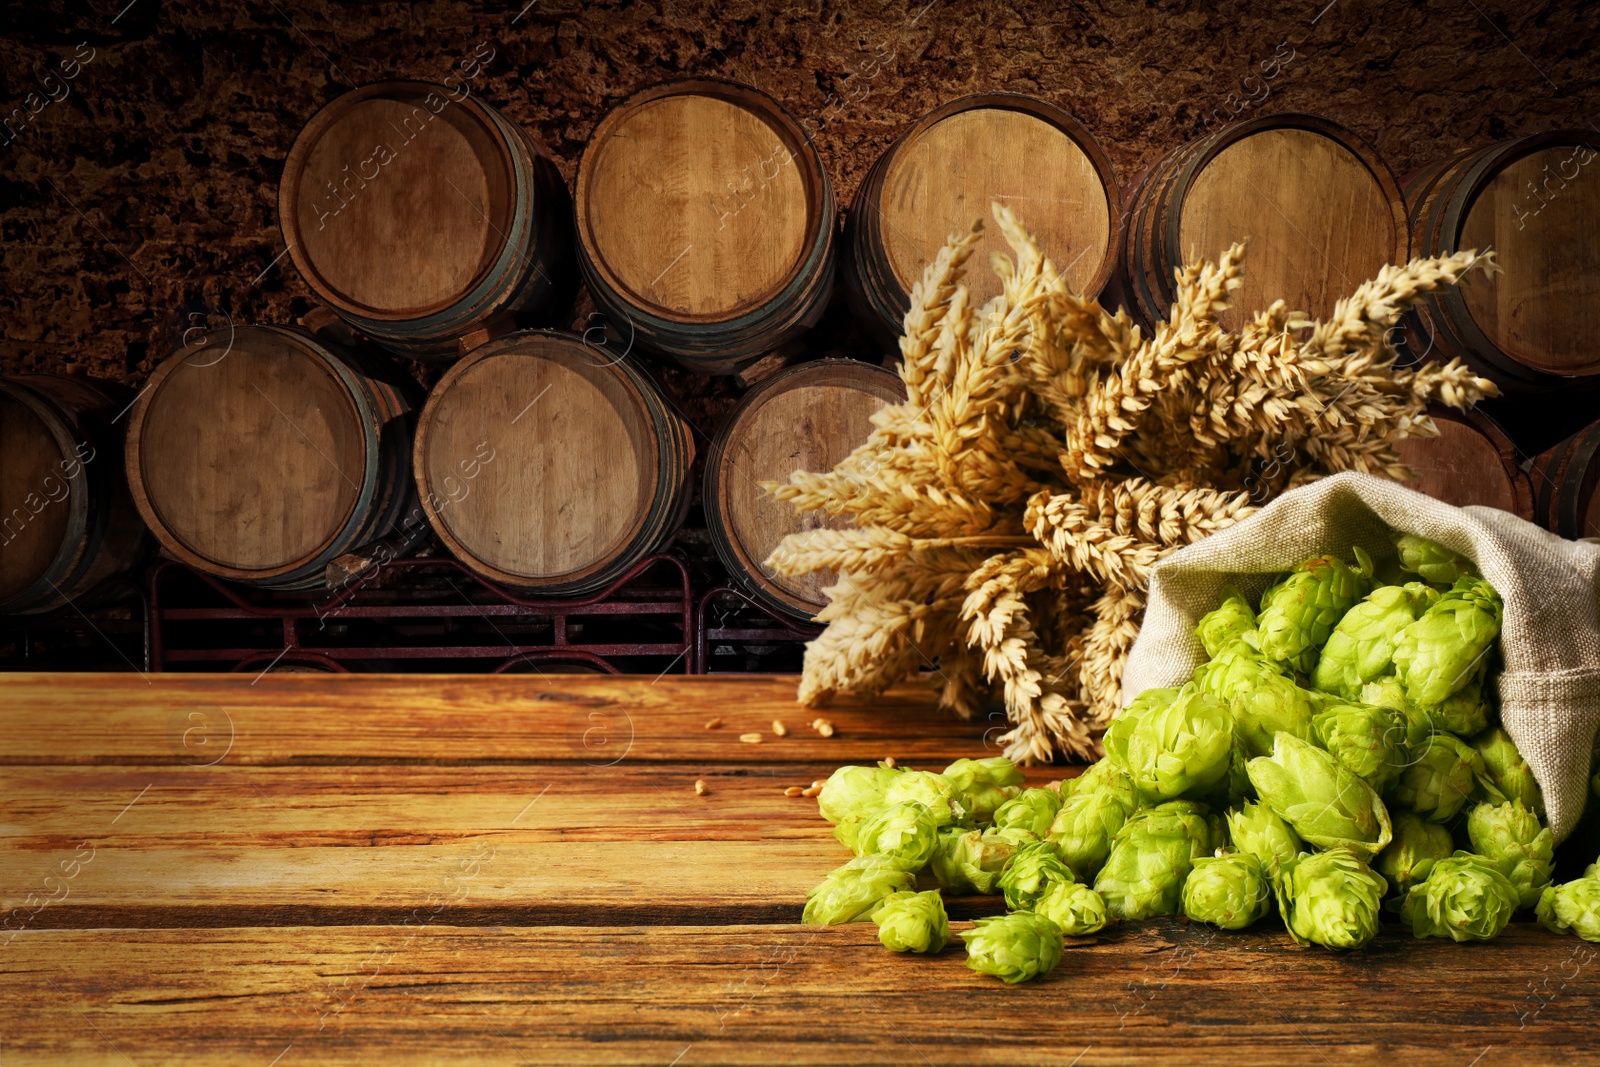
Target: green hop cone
point(1463, 898)
point(1299, 613)
point(1506, 768)
point(1091, 817)
point(1275, 705)
point(1462, 713)
point(1015, 947)
point(1369, 740)
point(1326, 803)
point(1229, 890)
point(1150, 858)
point(1127, 720)
point(1432, 562)
point(1031, 871)
point(1181, 748)
point(1256, 830)
point(904, 832)
point(850, 893)
point(1440, 778)
point(851, 796)
point(1572, 908)
point(984, 784)
point(1031, 809)
point(970, 861)
point(1361, 646)
point(909, 921)
point(1076, 908)
point(1510, 837)
point(1228, 622)
point(1238, 668)
point(1330, 899)
point(1448, 645)
point(1418, 844)
point(933, 791)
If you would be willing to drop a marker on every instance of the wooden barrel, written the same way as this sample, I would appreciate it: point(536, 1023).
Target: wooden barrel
point(807, 418)
point(705, 223)
point(421, 219)
point(1320, 210)
point(945, 172)
point(66, 520)
point(1472, 461)
point(261, 453)
point(1566, 484)
point(547, 467)
point(1534, 200)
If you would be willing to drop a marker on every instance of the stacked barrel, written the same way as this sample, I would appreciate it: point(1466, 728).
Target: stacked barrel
point(704, 227)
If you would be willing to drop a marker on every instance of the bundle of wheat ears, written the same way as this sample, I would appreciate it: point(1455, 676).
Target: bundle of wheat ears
point(1007, 515)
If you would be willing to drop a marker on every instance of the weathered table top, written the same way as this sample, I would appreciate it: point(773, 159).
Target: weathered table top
point(485, 870)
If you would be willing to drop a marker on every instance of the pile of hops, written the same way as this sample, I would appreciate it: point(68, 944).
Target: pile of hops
point(1007, 515)
point(1335, 758)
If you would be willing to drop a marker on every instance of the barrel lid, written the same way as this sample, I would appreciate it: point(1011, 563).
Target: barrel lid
point(700, 200)
point(537, 458)
point(37, 496)
point(397, 199)
point(807, 418)
point(248, 453)
point(1471, 461)
point(1321, 212)
point(999, 147)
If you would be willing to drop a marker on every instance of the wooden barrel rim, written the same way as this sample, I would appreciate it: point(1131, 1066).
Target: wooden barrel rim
point(659, 459)
point(78, 506)
point(305, 141)
point(1212, 147)
point(360, 407)
point(1154, 287)
point(1452, 216)
point(1517, 481)
point(818, 192)
point(743, 568)
point(1570, 512)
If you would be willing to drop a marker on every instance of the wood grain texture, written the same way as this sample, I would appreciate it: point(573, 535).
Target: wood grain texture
point(808, 418)
point(451, 719)
point(1541, 215)
point(1471, 461)
point(430, 992)
point(35, 497)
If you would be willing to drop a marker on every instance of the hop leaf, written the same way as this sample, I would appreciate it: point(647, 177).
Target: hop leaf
point(1330, 899)
point(1417, 846)
point(1369, 740)
point(1150, 858)
point(1076, 908)
point(1299, 613)
point(982, 785)
point(1015, 947)
point(1259, 832)
point(1322, 799)
point(1362, 645)
point(850, 893)
point(1031, 871)
point(912, 922)
point(1031, 809)
point(1463, 898)
point(1183, 747)
point(1227, 890)
point(1447, 646)
point(1572, 908)
point(904, 832)
point(1510, 837)
point(1228, 622)
point(1440, 778)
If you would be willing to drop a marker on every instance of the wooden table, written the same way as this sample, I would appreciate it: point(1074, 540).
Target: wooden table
point(517, 869)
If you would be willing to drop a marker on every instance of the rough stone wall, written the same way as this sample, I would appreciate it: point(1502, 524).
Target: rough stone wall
point(144, 190)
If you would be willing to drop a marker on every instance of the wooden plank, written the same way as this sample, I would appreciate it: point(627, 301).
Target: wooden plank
point(1157, 993)
point(329, 844)
point(441, 719)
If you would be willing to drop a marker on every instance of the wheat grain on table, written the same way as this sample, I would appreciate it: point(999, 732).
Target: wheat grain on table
point(349, 869)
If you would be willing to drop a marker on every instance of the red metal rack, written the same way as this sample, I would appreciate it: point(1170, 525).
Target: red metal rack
point(418, 625)
point(785, 630)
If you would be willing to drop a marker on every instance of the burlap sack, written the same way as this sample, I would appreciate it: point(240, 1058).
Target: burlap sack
point(1549, 689)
